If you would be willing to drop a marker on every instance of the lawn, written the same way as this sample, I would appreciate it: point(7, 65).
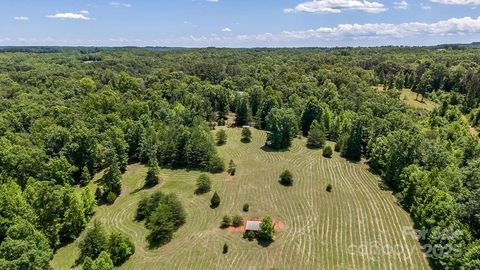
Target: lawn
point(411, 100)
point(353, 227)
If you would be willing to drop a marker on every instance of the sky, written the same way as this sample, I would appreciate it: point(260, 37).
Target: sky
point(238, 23)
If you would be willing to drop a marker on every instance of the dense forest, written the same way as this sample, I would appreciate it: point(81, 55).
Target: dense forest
point(67, 114)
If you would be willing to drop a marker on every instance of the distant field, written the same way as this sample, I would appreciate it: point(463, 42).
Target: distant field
point(338, 230)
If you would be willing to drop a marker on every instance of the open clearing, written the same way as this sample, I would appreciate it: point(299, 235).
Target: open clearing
point(354, 227)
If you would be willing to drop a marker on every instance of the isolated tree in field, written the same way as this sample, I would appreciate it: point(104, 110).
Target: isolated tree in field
point(221, 137)
point(327, 151)
point(232, 168)
point(152, 178)
point(225, 248)
point(316, 136)
point(246, 135)
point(329, 188)
point(267, 229)
point(204, 184)
point(215, 201)
point(246, 207)
point(286, 178)
point(281, 127)
point(94, 242)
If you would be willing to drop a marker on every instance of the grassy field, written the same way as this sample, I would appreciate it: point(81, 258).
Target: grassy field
point(354, 227)
point(410, 99)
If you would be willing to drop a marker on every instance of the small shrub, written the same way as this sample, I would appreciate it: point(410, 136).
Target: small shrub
point(204, 184)
point(237, 221)
point(221, 122)
point(246, 207)
point(152, 178)
point(329, 188)
point(226, 221)
point(111, 197)
point(327, 152)
point(232, 168)
point(215, 201)
point(225, 248)
point(249, 235)
point(221, 137)
point(286, 178)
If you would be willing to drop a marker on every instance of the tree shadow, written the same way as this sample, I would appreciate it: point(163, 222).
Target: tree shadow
point(269, 149)
point(264, 243)
point(243, 140)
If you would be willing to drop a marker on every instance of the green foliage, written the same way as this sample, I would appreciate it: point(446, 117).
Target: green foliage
point(267, 229)
point(237, 221)
point(85, 177)
point(286, 178)
point(215, 201)
point(226, 221)
point(225, 248)
point(327, 151)
point(161, 225)
point(111, 181)
point(216, 164)
point(313, 111)
point(103, 262)
point(232, 168)
point(281, 127)
point(204, 184)
point(94, 242)
point(89, 202)
point(246, 207)
point(244, 111)
point(329, 188)
point(316, 136)
point(221, 137)
point(152, 179)
point(111, 197)
point(246, 135)
point(120, 248)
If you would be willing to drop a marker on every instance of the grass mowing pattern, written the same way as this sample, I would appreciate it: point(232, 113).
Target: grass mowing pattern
point(319, 227)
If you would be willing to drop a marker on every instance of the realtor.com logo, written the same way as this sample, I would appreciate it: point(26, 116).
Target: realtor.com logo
point(379, 248)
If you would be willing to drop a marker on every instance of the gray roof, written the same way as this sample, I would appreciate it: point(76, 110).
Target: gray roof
point(253, 225)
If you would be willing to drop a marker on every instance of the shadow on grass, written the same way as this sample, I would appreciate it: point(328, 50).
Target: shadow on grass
point(243, 140)
point(269, 149)
point(264, 243)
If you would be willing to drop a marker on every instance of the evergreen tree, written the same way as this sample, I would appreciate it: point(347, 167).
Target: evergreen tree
point(244, 112)
point(111, 181)
point(89, 203)
point(221, 137)
point(313, 111)
point(215, 201)
point(226, 221)
point(161, 225)
point(267, 229)
point(246, 135)
point(103, 262)
point(316, 135)
point(85, 177)
point(120, 248)
point(353, 145)
point(232, 168)
point(152, 179)
point(204, 184)
point(327, 151)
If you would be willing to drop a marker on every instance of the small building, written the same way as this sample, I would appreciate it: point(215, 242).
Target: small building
point(253, 226)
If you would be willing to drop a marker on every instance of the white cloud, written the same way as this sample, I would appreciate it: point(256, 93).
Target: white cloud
point(70, 16)
point(21, 18)
point(426, 7)
point(84, 12)
point(213, 1)
point(226, 29)
point(119, 5)
point(400, 5)
point(337, 6)
point(458, 2)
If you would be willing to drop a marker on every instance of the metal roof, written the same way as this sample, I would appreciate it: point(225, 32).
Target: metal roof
point(253, 225)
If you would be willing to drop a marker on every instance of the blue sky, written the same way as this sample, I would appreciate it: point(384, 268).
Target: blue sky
point(238, 23)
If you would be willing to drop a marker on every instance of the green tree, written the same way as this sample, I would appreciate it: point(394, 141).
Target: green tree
point(221, 137)
point(281, 127)
point(103, 262)
point(120, 248)
point(286, 178)
point(85, 177)
point(89, 202)
point(244, 112)
point(111, 181)
point(327, 151)
point(74, 217)
point(161, 225)
point(215, 201)
point(267, 229)
point(204, 184)
point(94, 242)
point(313, 111)
point(237, 221)
point(316, 135)
point(226, 221)
point(152, 179)
point(232, 168)
point(246, 135)
point(353, 145)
